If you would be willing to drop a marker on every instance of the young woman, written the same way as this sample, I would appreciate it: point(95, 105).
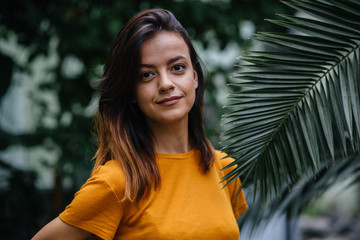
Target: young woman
point(156, 175)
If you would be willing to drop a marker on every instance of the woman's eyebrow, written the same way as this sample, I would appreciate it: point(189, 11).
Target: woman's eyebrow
point(172, 60)
point(146, 65)
point(175, 59)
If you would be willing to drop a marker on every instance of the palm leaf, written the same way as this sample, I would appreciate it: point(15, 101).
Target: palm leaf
point(294, 116)
point(294, 201)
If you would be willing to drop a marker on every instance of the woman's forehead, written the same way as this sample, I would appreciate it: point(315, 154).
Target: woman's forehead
point(164, 45)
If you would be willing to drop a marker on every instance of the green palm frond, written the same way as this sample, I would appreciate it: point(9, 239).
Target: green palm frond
point(294, 117)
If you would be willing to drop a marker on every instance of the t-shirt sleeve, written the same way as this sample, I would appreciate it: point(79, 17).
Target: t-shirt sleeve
point(238, 203)
point(96, 207)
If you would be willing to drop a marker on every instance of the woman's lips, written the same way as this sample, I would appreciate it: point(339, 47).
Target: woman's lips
point(169, 101)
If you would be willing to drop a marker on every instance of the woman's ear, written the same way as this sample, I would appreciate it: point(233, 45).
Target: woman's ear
point(196, 83)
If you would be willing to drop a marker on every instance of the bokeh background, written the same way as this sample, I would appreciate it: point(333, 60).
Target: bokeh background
point(51, 56)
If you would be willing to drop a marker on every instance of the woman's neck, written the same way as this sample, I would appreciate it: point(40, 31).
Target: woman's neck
point(172, 138)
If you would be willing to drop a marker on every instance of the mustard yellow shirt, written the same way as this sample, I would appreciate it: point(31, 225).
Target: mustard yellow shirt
point(188, 205)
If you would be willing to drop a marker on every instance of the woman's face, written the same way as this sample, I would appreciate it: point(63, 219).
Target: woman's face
point(165, 91)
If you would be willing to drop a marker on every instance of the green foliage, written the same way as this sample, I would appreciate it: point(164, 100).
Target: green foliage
point(295, 117)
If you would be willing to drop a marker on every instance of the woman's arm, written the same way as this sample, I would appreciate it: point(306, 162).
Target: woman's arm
point(58, 230)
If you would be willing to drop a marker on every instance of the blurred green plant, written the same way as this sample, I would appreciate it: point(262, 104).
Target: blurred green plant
point(294, 118)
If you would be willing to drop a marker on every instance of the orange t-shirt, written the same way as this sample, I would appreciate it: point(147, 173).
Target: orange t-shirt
point(188, 204)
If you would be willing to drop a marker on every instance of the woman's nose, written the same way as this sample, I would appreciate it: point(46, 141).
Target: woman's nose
point(165, 83)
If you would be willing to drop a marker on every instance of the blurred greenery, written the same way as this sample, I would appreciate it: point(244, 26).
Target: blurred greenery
point(69, 41)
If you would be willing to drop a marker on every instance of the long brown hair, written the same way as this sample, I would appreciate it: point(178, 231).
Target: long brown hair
point(123, 133)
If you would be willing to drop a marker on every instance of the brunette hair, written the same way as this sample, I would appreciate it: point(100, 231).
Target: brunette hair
point(123, 133)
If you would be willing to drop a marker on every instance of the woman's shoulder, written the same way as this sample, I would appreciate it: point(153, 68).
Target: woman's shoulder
point(223, 160)
point(223, 157)
point(111, 174)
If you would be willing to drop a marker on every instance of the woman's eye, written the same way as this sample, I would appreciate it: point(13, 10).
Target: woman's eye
point(178, 68)
point(146, 75)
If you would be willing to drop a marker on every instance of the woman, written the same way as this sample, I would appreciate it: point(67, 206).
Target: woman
point(156, 175)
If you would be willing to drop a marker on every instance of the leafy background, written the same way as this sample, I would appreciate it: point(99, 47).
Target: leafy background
point(52, 53)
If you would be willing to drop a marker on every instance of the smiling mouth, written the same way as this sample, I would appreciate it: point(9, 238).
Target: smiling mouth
point(169, 101)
